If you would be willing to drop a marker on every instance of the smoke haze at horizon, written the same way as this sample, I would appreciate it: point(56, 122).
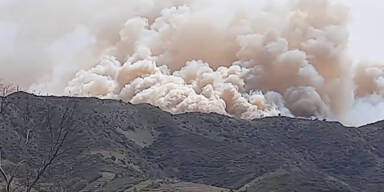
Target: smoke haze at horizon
point(247, 59)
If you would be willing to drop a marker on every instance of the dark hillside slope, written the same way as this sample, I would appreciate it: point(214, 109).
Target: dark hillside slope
point(113, 146)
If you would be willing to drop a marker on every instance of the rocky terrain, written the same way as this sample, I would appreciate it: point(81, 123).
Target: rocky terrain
point(88, 144)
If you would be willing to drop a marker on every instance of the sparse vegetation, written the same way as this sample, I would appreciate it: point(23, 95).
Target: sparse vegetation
point(198, 151)
point(27, 180)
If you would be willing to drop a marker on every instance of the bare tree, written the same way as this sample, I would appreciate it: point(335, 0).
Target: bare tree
point(2, 103)
point(9, 178)
point(57, 143)
point(57, 140)
point(7, 88)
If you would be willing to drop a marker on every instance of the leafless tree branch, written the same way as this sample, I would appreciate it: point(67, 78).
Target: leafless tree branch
point(56, 148)
point(7, 88)
point(57, 142)
point(9, 179)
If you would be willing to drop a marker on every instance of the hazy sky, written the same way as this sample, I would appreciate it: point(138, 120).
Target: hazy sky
point(367, 29)
point(50, 40)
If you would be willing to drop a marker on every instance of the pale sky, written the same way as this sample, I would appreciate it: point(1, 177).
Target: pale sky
point(367, 29)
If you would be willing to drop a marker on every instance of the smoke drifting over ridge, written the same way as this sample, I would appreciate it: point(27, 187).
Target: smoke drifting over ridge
point(248, 59)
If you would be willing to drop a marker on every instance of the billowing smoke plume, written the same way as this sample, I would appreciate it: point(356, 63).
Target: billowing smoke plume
point(248, 59)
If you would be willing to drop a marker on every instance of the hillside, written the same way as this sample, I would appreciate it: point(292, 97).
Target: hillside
point(108, 145)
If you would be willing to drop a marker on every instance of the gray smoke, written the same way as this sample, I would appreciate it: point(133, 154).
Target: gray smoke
point(248, 59)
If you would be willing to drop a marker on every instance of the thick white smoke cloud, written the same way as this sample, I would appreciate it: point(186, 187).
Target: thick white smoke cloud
point(248, 59)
